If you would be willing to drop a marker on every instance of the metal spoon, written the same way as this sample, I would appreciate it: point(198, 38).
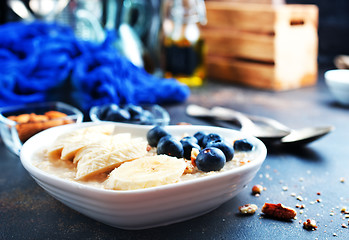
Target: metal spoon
point(269, 126)
point(247, 126)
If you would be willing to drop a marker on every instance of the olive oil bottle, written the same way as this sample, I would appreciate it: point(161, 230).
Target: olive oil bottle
point(183, 46)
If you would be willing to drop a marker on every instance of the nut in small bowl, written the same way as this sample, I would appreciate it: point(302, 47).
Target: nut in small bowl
point(338, 82)
point(130, 113)
point(19, 123)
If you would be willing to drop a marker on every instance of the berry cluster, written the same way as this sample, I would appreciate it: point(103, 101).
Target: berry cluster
point(214, 151)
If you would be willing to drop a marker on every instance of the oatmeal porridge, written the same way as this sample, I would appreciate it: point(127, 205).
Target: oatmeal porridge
point(97, 157)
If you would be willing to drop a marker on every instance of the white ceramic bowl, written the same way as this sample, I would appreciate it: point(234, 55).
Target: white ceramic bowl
point(152, 207)
point(338, 82)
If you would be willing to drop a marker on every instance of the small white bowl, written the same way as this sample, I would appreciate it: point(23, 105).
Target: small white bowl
point(151, 207)
point(338, 82)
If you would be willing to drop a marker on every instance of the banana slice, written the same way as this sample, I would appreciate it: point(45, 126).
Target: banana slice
point(102, 141)
point(149, 171)
point(66, 145)
point(105, 156)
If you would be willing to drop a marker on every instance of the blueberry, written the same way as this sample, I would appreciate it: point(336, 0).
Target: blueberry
point(243, 145)
point(210, 159)
point(136, 112)
point(200, 137)
point(103, 110)
point(212, 137)
point(164, 138)
point(117, 114)
point(187, 148)
point(154, 135)
point(189, 139)
point(170, 146)
point(134, 109)
point(225, 147)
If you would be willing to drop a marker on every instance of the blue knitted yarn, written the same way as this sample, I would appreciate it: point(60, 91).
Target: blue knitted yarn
point(37, 59)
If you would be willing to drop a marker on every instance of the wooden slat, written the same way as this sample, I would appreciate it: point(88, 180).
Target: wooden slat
point(260, 18)
point(230, 43)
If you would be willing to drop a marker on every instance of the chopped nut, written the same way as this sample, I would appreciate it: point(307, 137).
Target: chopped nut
point(55, 114)
point(194, 153)
point(248, 209)
point(310, 224)
point(279, 211)
point(37, 118)
point(257, 189)
point(342, 180)
point(343, 209)
point(302, 206)
point(30, 124)
point(344, 225)
point(189, 168)
point(23, 118)
point(148, 148)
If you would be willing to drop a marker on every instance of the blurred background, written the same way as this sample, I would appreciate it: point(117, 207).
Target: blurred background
point(333, 29)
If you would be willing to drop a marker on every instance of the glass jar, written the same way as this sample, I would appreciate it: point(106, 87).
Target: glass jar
point(183, 46)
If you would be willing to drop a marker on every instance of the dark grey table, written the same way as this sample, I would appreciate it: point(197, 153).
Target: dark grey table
point(312, 173)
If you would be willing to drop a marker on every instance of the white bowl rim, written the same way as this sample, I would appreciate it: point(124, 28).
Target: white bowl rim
point(337, 75)
point(40, 174)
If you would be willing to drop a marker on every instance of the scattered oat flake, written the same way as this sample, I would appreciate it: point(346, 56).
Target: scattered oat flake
point(344, 225)
point(342, 179)
point(335, 234)
point(300, 198)
point(284, 188)
point(293, 194)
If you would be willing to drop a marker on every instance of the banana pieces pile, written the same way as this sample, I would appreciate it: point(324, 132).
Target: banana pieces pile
point(96, 150)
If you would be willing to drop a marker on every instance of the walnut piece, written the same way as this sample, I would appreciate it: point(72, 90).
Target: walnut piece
point(248, 209)
point(278, 211)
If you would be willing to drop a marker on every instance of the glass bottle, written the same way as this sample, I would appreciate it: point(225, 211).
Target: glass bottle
point(183, 46)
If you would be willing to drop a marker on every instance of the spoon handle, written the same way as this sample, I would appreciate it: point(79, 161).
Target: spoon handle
point(229, 114)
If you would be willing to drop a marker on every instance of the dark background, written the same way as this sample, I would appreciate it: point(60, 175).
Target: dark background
point(333, 27)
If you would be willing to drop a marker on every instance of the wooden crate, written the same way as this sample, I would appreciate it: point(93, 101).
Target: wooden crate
point(265, 46)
